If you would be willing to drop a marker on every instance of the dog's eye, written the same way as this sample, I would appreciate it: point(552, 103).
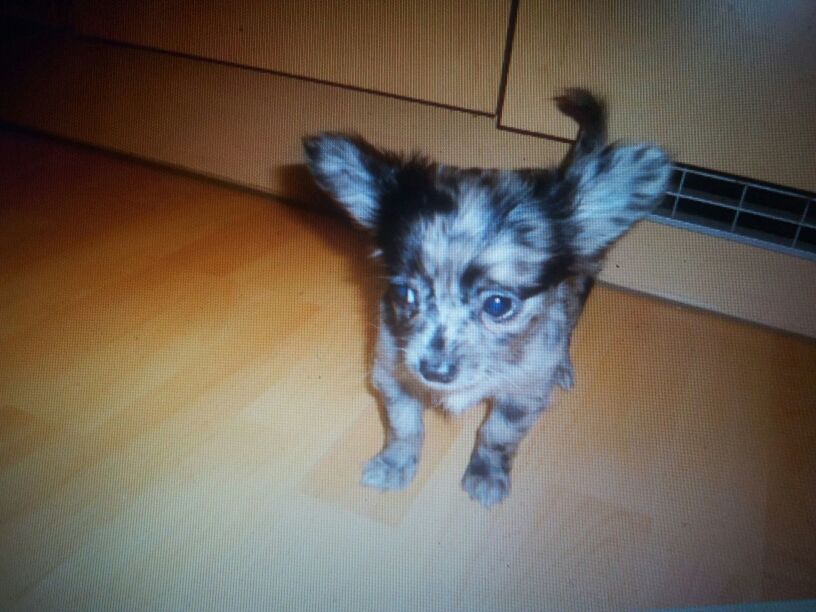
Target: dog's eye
point(404, 294)
point(499, 306)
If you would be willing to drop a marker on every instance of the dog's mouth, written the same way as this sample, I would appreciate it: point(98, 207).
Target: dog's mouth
point(444, 385)
point(444, 388)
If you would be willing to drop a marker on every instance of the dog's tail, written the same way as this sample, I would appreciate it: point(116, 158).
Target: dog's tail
point(590, 114)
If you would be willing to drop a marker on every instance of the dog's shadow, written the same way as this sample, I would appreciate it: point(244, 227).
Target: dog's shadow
point(330, 224)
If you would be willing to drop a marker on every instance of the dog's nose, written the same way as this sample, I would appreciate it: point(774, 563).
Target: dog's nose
point(441, 372)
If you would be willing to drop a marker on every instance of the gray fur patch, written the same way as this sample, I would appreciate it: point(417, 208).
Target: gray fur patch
point(511, 412)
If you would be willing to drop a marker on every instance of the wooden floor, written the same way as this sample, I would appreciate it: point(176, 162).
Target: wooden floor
point(184, 415)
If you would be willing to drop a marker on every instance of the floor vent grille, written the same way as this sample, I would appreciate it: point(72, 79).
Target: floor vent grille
point(738, 209)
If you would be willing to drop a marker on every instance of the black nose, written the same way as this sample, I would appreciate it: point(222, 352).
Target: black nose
point(441, 372)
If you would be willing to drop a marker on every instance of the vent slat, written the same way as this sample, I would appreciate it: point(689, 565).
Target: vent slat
point(740, 209)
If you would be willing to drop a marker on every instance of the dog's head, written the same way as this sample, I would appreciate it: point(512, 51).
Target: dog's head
point(474, 255)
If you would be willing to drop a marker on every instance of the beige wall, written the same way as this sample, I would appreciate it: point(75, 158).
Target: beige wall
point(728, 86)
point(445, 51)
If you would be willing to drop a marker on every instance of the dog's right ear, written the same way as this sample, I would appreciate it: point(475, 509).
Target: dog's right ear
point(353, 172)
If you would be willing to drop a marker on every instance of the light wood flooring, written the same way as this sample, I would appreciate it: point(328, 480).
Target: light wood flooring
point(184, 414)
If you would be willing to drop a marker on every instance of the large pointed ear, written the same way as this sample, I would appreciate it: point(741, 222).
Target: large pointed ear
point(613, 189)
point(352, 171)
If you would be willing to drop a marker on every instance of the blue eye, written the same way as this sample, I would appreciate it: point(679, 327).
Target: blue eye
point(404, 294)
point(499, 306)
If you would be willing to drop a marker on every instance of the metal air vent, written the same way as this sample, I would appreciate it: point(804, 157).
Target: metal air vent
point(756, 213)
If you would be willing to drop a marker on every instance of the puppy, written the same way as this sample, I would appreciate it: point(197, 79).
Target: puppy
point(488, 273)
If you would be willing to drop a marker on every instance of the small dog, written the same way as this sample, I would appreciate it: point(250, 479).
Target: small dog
point(489, 271)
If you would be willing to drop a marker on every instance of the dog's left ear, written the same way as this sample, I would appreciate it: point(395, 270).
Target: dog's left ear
point(353, 172)
point(613, 189)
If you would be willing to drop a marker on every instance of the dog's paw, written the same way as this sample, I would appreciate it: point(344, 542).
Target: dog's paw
point(389, 470)
point(486, 483)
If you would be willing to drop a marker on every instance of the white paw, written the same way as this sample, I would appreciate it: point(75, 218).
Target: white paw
point(389, 471)
point(485, 485)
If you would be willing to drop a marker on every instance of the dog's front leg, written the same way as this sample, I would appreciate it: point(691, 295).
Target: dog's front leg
point(487, 477)
point(394, 467)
